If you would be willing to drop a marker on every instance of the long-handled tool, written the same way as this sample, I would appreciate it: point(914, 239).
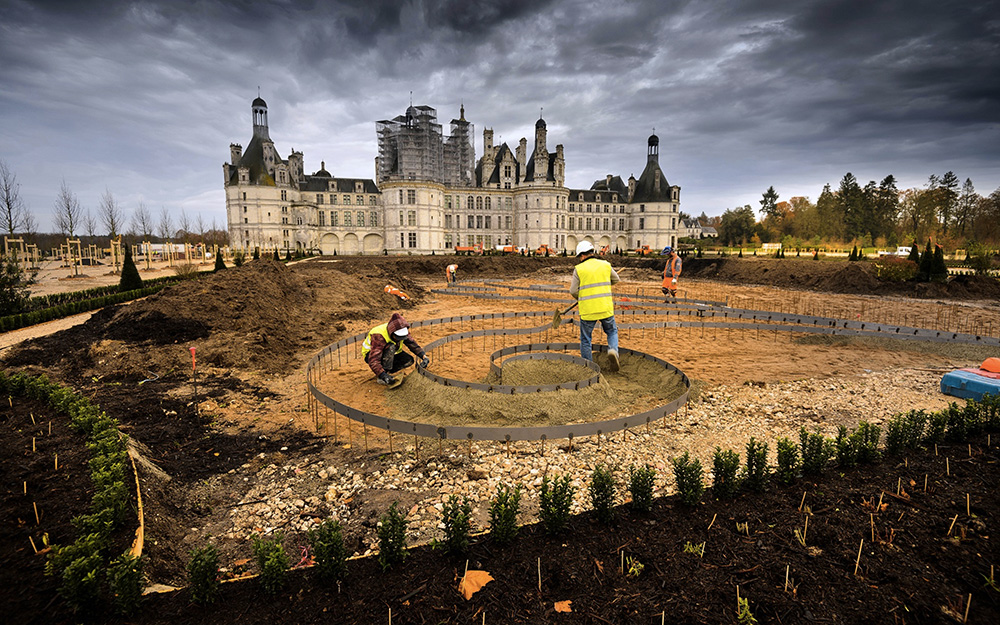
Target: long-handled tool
point(557, 317)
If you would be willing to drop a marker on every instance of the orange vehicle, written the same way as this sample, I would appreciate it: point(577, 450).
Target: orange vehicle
point(471, 249)
point(542, 250)
point(605, 250)
point(507, 249)
point(645, 250)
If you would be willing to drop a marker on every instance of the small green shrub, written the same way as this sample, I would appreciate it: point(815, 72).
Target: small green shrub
point(392, 537)
point(788, 461)
point(456, 513)
point(688, 475)
point(272, 563)
point(125, 581)
point(756, 474)
point(937, 424)
point(602, 494)
point(866, 442)
point(503, 513)
point(640, 486)
point(203, 574)
point(329, 553)
point(239, 258)
point(895, 435)
point(846, 449)
point(554, 503)
point(725, 470)
point(816, 451)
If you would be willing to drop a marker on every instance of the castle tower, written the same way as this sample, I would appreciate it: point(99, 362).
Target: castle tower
point(541, 152)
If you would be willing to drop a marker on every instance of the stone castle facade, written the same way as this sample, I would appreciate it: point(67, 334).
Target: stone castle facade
point(431, 194)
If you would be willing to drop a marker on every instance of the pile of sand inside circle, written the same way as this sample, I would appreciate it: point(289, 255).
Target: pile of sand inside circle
point(639, 385)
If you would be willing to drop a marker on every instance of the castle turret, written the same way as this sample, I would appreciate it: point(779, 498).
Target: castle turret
point(259, 109)
point(235, 152)
point(489, 154)
point(541, 151)
point(653, 151)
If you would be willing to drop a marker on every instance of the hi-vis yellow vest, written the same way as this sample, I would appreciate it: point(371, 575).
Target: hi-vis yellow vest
point(383, 329)
point(595, 289)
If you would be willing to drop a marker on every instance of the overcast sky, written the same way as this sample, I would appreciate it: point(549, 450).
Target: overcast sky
point(144, 98)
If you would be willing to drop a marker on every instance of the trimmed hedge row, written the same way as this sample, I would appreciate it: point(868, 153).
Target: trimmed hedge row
point(25, 319)
point(86, 566)
point(40, 302)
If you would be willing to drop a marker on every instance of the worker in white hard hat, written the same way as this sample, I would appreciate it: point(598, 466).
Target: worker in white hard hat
point(591, 287)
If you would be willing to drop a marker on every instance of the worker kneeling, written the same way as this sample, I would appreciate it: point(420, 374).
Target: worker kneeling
point(383, 349)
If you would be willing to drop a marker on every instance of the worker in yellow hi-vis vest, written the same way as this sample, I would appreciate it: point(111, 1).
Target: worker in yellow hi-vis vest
point(591, 286)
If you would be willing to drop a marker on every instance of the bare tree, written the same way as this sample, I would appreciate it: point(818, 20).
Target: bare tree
point(90, 224)
point(111, 214)
point(200, 226)
point(12, 209)
point(185, 226)
point(142, 221)
point(68, 211)
point(166, 225)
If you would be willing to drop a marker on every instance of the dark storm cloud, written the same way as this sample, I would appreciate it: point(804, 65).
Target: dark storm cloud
point(742, 94)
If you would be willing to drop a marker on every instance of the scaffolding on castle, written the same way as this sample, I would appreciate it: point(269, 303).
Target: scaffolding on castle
point(413, 147)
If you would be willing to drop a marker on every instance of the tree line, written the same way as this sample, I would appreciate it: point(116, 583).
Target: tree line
point(107, 220)
point(876, 214)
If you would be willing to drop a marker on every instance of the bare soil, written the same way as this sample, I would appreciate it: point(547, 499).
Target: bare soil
point(255, 327)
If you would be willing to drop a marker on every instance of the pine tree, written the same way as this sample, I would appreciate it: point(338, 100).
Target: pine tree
point(939, 270)
point(256, 253)
point(219, 263)
point(914, 253)
point(926, 263)
point(130, 280)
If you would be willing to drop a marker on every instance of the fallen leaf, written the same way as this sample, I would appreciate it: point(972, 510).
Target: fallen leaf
point(472, 582)
point(564, 606)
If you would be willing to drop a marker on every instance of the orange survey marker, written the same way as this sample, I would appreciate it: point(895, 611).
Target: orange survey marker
point(391, 290)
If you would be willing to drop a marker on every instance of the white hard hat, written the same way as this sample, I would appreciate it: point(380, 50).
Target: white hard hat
point(401, 332)
point(583, 247)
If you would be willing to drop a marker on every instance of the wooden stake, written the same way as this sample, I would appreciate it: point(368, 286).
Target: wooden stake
point(899, 484)
point(786, 577)
point(33, 450)
point(539, 575)
point(38, 521)
point(857, 562)
point(935, 449)
point(26, 487)
point(970, 450)
point(952, 525)
point(713, 521)
point(873, 526)
point(925, 482)
point(50, 428)
point(390, 616)
point(33, 419)
point(57, 462)
point(879, 507)
point(33, 544)
point(803, 502)
point(805, 529)
point(967, 512)
point(947, 467)
point(965, 619)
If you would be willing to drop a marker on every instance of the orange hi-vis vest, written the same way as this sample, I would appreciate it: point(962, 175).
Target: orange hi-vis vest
point(674, 266)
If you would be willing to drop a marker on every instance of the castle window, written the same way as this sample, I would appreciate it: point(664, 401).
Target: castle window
point(506, 185)
point(588, 208)
point(673, 224)
point(245, 220)
point(347, 218)
point(572, 208)
point(642, 208)
point(508, 203)
point(506, 171)
point(286, 232)
point(333, 198)
point(479, 221)
point(589, 224)
point(373, 219)
point(572, 223)
point(447, 222)
point(470, 203)
point(411, 196)
point(400, 196)
point(472, 221)
point(642, 223)
point(605, 208)
point(361, 219)
point(401, 218)
point(244, 209)
point(411, 218)
point(621, 224)
point(412, 239)
point(447, 202)
point(284, 220)
point(479, 203)
point(298, 221)
point(284, 195)
point(598, 198)
point(580, 197)
point(347, 200)
point(319, 198)
point(605, 223)
point(333, 218)
point(488, 203)
point(322, 218)
point(507, 222)
point(447, 241)
point(402, 239)
point(371, 200)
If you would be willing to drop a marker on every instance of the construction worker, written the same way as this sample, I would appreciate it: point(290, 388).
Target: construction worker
point(671, 271)
point(383, 349)
point(449, 273)
point(591, 287)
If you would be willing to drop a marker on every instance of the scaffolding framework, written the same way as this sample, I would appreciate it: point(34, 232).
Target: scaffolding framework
point(413, 147)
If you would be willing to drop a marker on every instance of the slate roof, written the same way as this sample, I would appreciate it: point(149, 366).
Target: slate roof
point(494, 176)
point(617, 186)
point(253, 159)
point(529, 169)
point(644, 188)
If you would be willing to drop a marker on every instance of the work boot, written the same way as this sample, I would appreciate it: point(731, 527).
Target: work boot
point(613, 363)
